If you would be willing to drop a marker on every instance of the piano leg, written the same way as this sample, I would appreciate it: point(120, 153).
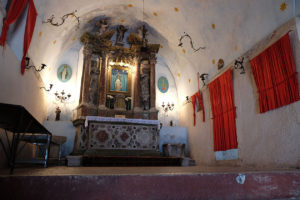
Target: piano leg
point(47, 150)
point(14, 148)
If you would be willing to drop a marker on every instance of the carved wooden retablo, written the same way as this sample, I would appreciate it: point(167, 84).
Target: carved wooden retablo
point(118, 78)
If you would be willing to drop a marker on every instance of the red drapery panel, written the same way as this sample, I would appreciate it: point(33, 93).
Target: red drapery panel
point(223, 111)
point(30, 24)
point(275, 75)
point(14, 12)
point(195, 97)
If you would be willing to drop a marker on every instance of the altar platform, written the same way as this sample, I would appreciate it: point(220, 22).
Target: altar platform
point(137, 183)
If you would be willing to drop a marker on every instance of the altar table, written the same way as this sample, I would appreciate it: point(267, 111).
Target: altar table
point(106, 133)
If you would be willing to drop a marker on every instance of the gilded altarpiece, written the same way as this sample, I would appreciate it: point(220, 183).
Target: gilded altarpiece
point(116, 81)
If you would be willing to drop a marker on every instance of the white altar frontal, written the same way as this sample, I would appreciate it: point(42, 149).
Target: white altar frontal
point(107, 134)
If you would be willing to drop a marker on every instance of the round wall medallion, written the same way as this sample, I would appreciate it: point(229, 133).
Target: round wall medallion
point(64, 72)
point(163, 84)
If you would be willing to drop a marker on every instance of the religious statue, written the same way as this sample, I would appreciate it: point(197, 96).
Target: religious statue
point(103, 26)
point(145, 85)
point(118, 84)
point(142, 33)
point(57, 112)
point(93, 87)
point(120, 34)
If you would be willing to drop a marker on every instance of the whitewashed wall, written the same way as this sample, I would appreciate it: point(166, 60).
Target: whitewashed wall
point(270, 139)
point(169, 97)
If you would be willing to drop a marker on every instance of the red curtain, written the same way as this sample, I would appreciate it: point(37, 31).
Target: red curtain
point(30, 24)
point(14, 12)
point(195, 97)
point(275, 75)
point(223, 111)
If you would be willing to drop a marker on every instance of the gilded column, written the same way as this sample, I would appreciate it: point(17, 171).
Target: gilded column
point(153, 111)
point(102, 86)
point(83, 101)
point(136, 101)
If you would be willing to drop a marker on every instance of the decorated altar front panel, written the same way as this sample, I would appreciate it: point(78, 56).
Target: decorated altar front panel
point(127, 134)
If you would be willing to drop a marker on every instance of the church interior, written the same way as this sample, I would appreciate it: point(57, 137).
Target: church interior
point(149, 99)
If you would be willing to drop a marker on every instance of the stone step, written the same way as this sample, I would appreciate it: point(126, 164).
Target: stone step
point(131, 161)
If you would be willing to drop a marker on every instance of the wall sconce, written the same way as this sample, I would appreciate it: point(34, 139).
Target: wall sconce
point(62, 19)
point(191, 42)
point(47, 90)
point(203, 77)
point(188, 100)
point(239, 64)
point(27, 60)
point(168, 107)
point(62, 97)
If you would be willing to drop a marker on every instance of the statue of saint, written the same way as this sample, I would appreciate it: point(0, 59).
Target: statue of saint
point(145, 85)
point(120, 34)
point(57, 112)
point(103, 26)
point(142, 33)
point(93, 87)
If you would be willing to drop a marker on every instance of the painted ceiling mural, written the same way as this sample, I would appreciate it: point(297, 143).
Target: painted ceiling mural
point(226, 28)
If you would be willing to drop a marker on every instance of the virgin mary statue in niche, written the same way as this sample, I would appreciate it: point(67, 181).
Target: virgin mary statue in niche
point(119, 80)
point(118, 84)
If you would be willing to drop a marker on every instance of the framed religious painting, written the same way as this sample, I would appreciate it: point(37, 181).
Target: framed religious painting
point(119, 80)
point(64, 72)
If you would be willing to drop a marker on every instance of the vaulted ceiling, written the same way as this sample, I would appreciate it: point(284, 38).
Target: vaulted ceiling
point(227, 28)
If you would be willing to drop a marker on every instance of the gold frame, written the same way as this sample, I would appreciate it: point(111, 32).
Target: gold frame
point(118, 67)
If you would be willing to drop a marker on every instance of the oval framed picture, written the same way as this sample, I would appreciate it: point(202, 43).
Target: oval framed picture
point(64, 72)
point(163, 84)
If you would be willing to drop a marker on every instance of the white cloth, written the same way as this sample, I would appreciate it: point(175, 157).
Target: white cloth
point(122, 120)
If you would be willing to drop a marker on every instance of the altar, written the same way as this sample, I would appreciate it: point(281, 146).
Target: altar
point(116, 112)
point(107, 133)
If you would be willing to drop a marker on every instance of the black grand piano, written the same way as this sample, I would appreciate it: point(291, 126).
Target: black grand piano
point(24, 127)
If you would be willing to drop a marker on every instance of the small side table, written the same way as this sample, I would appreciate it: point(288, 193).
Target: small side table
point(55, 146)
